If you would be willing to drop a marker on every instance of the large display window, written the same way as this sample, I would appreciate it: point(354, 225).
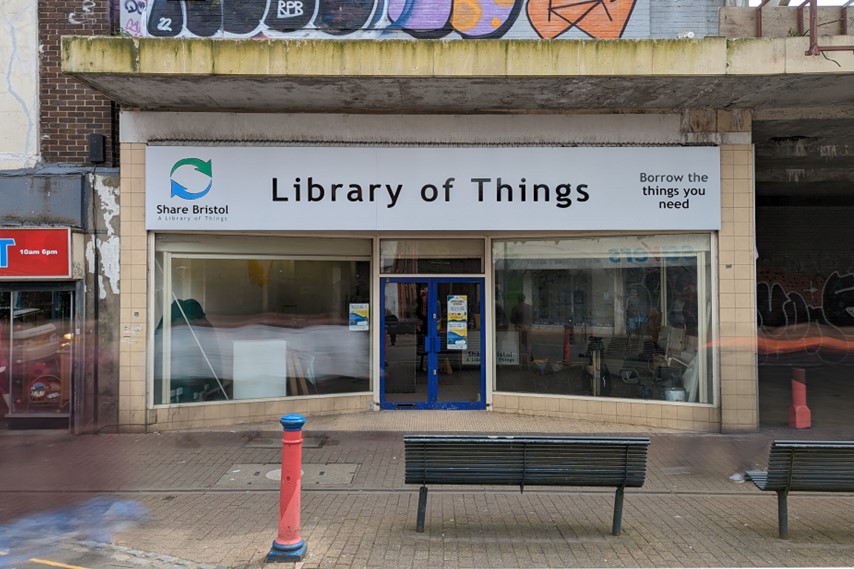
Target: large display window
point(627, 317)
point(240, 317)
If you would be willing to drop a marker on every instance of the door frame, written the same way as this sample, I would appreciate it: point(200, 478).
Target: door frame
point(432, 402)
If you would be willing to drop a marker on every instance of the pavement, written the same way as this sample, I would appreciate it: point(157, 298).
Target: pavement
point(205, 499)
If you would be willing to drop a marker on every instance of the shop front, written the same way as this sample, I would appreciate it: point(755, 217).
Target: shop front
point(534, 279)
point(39, 327)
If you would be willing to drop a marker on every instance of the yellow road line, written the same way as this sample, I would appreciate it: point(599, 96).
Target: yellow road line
point(56, 564)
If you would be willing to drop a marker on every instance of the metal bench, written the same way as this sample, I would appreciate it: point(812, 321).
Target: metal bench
point(618, 462)
point(805, 466)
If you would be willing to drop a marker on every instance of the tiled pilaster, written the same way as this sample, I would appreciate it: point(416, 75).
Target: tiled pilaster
point(133, 290)
point(737, 282)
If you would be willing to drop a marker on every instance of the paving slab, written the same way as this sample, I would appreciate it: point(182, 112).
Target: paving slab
point(269, 476)
point(356, 511)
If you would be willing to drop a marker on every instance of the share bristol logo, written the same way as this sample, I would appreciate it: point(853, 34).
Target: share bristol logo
point(196, 178)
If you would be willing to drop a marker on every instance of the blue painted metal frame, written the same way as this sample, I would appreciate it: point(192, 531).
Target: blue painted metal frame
point(432, 355)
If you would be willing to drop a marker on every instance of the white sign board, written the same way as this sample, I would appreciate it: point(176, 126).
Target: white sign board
point(221, 188)
point(260, 369)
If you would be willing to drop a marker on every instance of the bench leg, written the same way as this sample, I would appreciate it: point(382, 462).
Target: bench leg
point(783, 514)
point(422, 509)
point(616, 528)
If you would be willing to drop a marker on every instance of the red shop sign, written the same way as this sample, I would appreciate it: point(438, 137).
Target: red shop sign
point(35, 253)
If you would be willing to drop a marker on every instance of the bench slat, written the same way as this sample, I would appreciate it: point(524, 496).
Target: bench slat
point(525, 461)
point(804, 465)
point(570, 461)
point(826, 466)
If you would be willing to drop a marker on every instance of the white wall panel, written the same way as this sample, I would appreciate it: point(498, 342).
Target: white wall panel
point(19, 113)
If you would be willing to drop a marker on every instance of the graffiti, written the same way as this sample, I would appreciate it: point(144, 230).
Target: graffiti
point(337, 18)
point(420, 19)
point(165, 19)
point(838, 300)
point(87, 16)
point(134, 7)
point(132, 13)
point(469, 18)
point(822, 326)
point(601, 19)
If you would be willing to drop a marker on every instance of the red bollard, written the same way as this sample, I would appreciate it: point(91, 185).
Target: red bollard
point(289, 547)
point(799, 413)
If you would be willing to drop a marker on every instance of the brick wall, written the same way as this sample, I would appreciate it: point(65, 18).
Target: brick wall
point(69, 111)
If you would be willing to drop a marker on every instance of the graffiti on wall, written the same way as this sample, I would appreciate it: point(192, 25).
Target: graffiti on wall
point(132, 14)
point(84, 14)
point(420, 19)
point(812, 314)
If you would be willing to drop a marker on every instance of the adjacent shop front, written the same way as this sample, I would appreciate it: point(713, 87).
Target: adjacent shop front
point(552, 279)
point(40, 324)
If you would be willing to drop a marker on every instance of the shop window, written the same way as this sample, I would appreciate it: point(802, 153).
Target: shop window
point(431, 256)
point(36, 352)
point(625, 317)
point(259, 325)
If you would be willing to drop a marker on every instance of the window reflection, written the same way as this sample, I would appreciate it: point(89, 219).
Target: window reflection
point(431, 256)
point(237, 328)
point(36, 352)
point(607, 317)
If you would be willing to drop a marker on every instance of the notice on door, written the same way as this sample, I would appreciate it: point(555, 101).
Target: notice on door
point(359, 317)
point(457, 322)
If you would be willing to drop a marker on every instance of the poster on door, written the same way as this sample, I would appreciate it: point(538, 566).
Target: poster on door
point(457, 322)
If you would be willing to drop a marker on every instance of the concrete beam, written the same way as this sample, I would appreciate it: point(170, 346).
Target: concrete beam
point(392, 58)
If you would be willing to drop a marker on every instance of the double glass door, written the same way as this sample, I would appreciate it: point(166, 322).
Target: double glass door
point(432, 354)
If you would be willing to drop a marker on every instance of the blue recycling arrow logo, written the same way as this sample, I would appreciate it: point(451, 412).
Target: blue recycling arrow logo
point(200, 166)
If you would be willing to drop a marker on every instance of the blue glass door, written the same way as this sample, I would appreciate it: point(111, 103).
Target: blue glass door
point(432, 355)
